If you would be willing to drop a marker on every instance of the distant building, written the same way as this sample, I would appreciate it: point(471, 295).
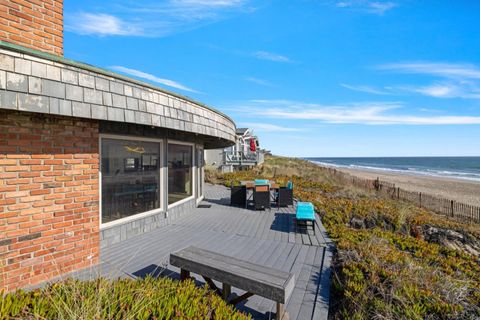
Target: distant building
point(244, 154)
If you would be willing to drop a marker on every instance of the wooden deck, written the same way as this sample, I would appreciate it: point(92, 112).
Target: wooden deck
point(269, 238)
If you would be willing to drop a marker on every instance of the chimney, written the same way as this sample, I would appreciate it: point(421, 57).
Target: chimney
point(36, 24)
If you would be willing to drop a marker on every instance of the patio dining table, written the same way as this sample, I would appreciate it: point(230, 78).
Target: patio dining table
point(250, 185)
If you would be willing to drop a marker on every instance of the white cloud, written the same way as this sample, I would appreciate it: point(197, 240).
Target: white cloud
point(446, 70)
point(102, 25)
point(366, 89)
point(151, 18)
point(455, 80)
point(373, 7)
point(258, 81)
point(381, 7)
point(452, 91)
point(265, 55)
point(438, 91)
point(447, 90)
point(464, 90)
point(369, 113)
point(268, 127)
point(151, 77)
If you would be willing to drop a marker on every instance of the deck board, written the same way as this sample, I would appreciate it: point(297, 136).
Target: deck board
point(269, 238)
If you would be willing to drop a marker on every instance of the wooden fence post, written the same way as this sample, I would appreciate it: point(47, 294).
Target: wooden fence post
point(420, 198)
point(451, 205)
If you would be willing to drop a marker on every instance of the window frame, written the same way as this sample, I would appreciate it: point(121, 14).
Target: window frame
point(161, 177)
point(200, 184)
point(194, 167)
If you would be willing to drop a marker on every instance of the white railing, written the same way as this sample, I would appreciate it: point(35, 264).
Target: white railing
point(241, 158)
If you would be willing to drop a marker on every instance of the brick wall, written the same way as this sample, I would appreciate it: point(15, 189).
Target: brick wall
point(49, 219)
point(36, 24)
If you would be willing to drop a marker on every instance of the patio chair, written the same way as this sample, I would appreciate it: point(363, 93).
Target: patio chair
point(306, 213)
point(290, 185)
point(238, 196)
point(284, 197)
point(261, 196)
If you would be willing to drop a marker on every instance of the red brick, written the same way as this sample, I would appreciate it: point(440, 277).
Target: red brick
point(29, 174)
point(8, 162)
point(41, 156)
point(30, 249)
point(8, 175)
point(31, 161)
point(19, 206)
point(16, 194)
point(47, 201)
point(18, 181)
point(40, 192)
point(7, 202)
point(40, 168)
point(16, 168)
point(27, 18)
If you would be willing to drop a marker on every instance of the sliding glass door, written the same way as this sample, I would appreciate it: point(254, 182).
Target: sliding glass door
point(180, 172)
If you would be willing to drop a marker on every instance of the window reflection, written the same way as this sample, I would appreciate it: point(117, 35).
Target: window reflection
point(130, 178)
point(179, 172)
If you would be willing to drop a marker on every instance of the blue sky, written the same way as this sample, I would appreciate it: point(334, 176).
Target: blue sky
point(312, 77)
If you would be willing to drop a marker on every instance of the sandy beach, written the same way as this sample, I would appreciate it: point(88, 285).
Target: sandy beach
point(455, 189)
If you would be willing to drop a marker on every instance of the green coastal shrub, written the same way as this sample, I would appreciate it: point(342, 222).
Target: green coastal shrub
point(141, 299)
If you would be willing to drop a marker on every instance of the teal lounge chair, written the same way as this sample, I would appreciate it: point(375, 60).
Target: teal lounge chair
point(306, 213)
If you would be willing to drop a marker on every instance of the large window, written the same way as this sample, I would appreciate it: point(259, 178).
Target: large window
point(130, 178)
point(179, 172)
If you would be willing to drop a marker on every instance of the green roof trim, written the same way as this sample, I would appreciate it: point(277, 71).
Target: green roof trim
point(89, 67)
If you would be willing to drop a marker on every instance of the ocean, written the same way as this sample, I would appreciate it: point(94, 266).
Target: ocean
point(465, 168)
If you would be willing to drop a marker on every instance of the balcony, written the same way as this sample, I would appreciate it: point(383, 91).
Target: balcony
point(244, 159)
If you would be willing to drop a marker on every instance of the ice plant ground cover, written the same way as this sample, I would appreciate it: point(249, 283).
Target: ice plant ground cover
point(147, 298)
point(393, 260)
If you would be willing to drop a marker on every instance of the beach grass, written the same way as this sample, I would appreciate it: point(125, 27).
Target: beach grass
point(393, 259)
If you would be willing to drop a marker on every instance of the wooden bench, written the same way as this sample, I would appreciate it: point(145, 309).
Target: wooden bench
point(269, 283)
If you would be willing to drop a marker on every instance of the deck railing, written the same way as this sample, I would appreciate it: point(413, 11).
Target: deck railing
point(241, 158)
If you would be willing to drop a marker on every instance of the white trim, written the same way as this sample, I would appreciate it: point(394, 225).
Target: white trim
point(179, 202)
point(161, 209)
point(200, 172)
point(200, 199)
point(180, 142)
point(130, 218)
point(194, 185)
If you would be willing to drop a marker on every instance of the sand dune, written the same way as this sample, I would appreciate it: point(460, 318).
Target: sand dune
point(455, 189)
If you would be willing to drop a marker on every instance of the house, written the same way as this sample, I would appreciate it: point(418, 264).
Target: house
point(88, 157)
point(244, 154)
